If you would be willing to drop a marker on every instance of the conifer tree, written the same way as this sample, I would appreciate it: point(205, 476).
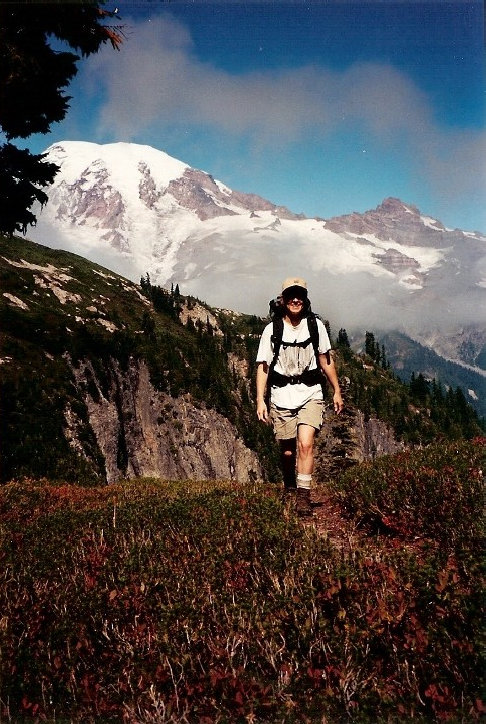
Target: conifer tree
point(33, 77)
point(343, 339)
point(148, 326)
point(384, 362)
point(145, 284)
point(370, 346)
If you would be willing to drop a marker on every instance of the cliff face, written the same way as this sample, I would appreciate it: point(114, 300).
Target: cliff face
point(143, 432)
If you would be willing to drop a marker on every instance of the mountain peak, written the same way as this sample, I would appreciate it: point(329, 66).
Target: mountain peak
point(137, 210)
point(392, 220)
point(75, 156)
point(392, 206)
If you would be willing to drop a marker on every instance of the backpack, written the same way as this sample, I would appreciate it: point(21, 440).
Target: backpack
point(310, 377)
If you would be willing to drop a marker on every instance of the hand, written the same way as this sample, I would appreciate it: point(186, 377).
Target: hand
point(338, 402)
point(262, 412)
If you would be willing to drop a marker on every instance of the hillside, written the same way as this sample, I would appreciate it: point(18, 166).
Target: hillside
point(97, 385)
point(210, 602)
point(407, 356)
point(103, 379)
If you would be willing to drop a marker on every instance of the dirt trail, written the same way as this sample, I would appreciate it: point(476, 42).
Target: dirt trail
point(344, 535)
point(329, 521)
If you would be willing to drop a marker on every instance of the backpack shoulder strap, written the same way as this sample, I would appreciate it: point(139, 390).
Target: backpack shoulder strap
point(277, 334)
point(314, 334)
point(276, 340)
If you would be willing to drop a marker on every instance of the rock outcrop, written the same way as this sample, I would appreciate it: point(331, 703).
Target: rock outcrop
point(143, 432)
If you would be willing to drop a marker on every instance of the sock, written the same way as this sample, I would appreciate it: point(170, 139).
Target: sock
point(304, 481)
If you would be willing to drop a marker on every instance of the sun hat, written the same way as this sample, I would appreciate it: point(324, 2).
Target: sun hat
point(292, 282)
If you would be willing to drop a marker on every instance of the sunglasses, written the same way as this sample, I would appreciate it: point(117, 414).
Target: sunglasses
point(293, 300)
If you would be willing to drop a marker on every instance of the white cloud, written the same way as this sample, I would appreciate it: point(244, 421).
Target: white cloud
point(454, 163)
point(157, 78)
point(157, 81)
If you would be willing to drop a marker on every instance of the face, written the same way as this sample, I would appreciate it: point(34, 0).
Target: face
point(294, 301)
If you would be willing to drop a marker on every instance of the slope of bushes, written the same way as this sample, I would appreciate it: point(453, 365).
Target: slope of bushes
point(420, 412)
point(157, 602)
point(433, 495)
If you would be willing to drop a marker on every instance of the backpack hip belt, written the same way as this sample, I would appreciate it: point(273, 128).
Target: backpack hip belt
point(308, 377)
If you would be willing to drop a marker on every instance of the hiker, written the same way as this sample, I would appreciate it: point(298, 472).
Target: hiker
point(293, 355)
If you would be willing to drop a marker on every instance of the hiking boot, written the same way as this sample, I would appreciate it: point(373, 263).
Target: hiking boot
point(290, 481)
point(288, 493)
point(303, 503)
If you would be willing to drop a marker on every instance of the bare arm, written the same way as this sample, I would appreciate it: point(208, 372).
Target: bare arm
point(329, 368)
point(261, 386)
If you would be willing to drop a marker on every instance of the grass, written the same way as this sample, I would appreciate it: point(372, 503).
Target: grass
point(150, 601)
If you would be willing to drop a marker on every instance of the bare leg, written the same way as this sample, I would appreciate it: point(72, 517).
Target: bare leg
point(305, 468)
point(305, 458)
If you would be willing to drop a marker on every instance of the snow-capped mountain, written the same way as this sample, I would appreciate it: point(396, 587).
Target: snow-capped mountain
point(137, 210)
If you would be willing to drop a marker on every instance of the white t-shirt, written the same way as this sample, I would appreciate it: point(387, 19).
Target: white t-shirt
point(293, 361)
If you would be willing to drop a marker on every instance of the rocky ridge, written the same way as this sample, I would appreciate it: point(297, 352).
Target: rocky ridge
point(393, 220)
point(351, 438)
point(113, 416)
point(142, 432)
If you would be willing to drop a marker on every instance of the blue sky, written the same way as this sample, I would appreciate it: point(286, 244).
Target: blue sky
point(324, 107)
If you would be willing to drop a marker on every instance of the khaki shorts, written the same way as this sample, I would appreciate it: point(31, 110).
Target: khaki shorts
point(285, 422)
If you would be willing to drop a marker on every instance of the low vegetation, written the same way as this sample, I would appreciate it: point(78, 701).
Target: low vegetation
point(150, 601)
